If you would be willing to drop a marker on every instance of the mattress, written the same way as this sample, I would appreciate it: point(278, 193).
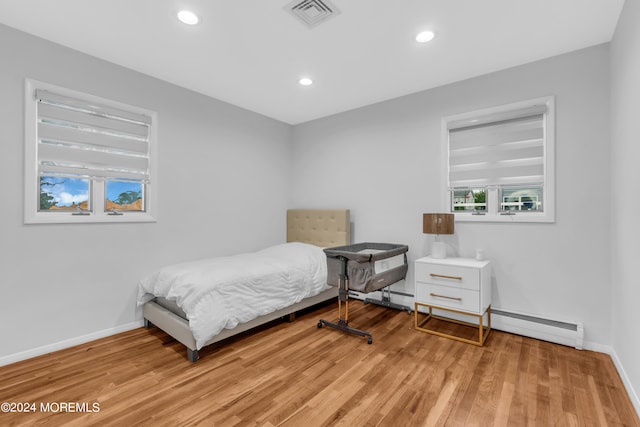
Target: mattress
point(369, 266)
point(171, 306)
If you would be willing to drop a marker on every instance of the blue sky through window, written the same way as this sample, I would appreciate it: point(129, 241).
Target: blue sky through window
point(69, 191)
point(115, 188)
point(66, 191)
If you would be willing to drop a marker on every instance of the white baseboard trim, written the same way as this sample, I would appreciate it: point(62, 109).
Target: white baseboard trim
point(633, 395)
point(61, 345)
point(598, 348)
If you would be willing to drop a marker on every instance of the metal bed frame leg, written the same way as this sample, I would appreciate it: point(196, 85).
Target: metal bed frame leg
point(192, 355)
point(343, 296)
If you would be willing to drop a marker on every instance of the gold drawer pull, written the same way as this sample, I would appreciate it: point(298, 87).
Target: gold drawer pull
point(446, 277)
point(444, 296)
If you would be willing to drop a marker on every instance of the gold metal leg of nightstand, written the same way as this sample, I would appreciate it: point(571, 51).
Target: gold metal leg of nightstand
point(483, 332)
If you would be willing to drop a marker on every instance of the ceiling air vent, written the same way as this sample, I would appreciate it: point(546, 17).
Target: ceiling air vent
point(312, 12)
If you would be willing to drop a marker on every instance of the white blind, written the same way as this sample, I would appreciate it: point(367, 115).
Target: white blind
point(500, 151)
point(77, 138)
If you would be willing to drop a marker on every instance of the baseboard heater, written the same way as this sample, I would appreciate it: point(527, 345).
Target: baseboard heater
point(565, 333)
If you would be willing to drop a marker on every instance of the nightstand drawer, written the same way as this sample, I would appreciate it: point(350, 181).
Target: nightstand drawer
point(446, 275)
point(446, 296)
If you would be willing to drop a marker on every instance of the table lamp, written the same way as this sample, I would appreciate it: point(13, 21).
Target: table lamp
point(438, 223)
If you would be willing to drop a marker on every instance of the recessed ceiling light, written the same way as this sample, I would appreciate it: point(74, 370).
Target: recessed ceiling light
point(305, 81)
point(188, 17)
point(425, 36)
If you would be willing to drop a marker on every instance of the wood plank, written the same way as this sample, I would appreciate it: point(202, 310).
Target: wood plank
point(291, 374)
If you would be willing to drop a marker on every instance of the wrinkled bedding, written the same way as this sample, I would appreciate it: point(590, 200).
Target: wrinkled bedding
point(218, 293)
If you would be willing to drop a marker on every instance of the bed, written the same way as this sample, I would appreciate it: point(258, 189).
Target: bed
point(205, 301)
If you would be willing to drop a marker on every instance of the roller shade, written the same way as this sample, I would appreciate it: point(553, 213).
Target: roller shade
point(77, 138)
point(499, 150)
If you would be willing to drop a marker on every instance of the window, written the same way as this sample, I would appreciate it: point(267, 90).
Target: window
point(498, 163)
point(87, 159)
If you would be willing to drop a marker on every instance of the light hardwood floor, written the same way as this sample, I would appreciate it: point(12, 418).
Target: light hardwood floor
point(293, 374)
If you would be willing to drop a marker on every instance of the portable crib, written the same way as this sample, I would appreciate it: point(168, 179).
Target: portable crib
point(363, 267)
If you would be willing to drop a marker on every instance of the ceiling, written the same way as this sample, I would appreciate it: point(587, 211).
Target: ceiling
point(251, 53)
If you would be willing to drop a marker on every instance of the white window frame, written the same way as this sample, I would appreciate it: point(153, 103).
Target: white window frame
point(493, 213)
point(32, 215)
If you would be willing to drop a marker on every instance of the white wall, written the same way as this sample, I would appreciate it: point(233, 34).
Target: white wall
point(383, 162)
point(625, 229)
point(223, 182)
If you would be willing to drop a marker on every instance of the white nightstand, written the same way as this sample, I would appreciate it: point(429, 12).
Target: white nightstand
point(457, 285)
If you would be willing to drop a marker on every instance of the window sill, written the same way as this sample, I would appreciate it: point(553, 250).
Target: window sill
point(69, 218)
point(519, 217)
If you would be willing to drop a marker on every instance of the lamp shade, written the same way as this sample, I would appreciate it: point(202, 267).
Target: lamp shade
point(437, 223)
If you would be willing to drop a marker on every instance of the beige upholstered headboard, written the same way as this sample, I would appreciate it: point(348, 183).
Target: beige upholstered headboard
point(325, 228)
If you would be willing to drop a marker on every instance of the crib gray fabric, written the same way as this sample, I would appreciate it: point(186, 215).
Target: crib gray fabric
point(361, 270)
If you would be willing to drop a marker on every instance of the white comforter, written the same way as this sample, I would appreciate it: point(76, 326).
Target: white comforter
point(219, 293)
